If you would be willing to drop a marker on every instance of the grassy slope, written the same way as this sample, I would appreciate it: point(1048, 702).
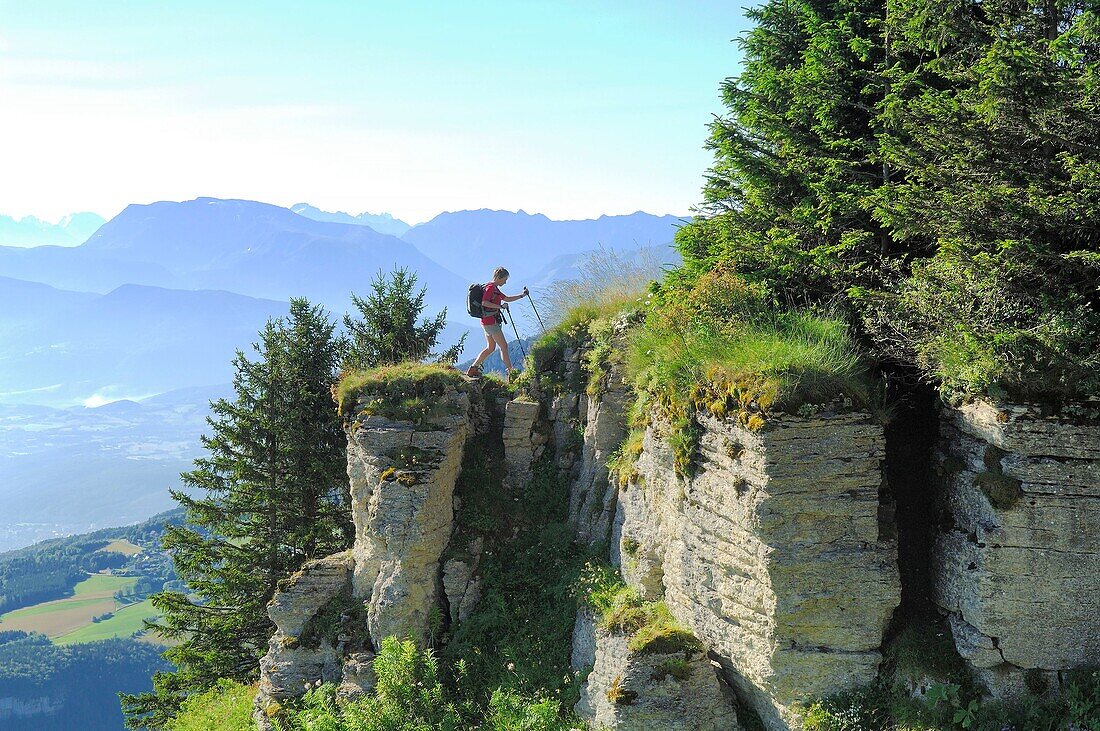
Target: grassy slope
point(123, 546)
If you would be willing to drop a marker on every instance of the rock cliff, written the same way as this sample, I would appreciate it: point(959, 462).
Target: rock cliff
point(774, 552)
point(1016, 560)
point(775, 549)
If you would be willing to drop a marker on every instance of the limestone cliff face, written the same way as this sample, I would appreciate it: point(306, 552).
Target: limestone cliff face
point(300, 653)
point(402, 490)
point(25, 708)
point(1017, 554)
point(773, 553)
point(333, 613)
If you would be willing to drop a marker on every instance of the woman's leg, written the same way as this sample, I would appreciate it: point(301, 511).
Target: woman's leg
point(502, 342)
point(490, 346)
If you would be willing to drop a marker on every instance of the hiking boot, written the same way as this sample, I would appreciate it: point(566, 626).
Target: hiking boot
point(473, 371)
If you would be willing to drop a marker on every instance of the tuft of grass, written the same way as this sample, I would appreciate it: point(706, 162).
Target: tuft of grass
point(717, 346)
point(626, 456)
point(401, 392)
point(650, 626)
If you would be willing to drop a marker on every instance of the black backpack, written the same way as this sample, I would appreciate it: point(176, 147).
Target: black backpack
point(473, 302)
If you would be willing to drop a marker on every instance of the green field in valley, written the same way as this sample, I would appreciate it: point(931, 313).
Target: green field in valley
point(70, 620)
point(124, 623)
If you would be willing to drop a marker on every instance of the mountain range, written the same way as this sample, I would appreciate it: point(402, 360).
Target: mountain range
point(383, 223)
point(31, 231)
point(159, 299)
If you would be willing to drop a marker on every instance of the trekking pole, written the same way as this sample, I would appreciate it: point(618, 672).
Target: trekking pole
point(516, 331)
point(532, 301)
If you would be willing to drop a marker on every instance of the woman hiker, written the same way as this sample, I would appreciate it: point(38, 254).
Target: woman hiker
point(492, 302)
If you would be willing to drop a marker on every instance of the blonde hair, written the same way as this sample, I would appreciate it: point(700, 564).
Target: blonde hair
point(500, 273)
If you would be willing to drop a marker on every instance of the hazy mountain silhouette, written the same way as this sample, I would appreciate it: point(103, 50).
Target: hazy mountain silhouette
point(472, 243)
point(383, 223)
point(246, 247)
point(31, 231)
point(136, 340)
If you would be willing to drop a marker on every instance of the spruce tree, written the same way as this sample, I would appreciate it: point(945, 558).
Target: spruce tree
point(789, 199)
point(270, 493)
point(388, 330)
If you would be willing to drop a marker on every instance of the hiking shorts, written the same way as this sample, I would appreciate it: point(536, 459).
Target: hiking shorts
point(492, 329)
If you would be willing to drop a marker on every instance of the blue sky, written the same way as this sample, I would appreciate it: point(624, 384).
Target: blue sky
point(572, 109)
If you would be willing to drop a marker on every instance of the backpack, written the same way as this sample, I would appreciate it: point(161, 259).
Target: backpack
point(473, 301)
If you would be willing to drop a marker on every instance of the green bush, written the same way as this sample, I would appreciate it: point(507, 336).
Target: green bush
point(925, 651)
point(226, 707)
point(978, 325)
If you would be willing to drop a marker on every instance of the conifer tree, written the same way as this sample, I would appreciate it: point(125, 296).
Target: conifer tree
point(270, 493)
point(994, 126)
point(789, 197)
point(388, 330)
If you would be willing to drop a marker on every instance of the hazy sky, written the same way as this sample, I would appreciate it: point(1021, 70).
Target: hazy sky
point(572, 109)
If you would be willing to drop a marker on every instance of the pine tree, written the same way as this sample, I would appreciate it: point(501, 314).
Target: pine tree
point(270, 493)
point(789, 197)
point(387, 331)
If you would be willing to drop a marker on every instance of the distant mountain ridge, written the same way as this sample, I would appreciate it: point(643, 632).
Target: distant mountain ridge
point(250, 248)
point(32, 231)
point(472, 243)
point(383, 223)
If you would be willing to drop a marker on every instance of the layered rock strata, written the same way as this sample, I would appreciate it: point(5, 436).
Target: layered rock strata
point(1016, 559)
point(642, 691)
point(774, 553)
point(592, 496)
point(402, 488)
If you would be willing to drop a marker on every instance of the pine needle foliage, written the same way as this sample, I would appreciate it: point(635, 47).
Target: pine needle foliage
point(270, 494)
point(389, 328)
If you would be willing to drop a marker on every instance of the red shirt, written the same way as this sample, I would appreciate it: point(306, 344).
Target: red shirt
point(494, 295)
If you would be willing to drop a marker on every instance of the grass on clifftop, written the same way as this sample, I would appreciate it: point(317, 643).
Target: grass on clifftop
point(403, 391)
point(718, 345)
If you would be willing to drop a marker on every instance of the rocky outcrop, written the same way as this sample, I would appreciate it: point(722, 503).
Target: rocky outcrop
point(13, 707)
point(1016, 554)
point(402, 486)
point(461, 582)
point(647, 691)
point(302, 651)
point(774, 553)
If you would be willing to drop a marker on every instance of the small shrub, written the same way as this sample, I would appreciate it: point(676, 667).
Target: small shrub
point(226, 707)
point(620, 608)
point(626, 456)
point(618, 695)
point(678, 668)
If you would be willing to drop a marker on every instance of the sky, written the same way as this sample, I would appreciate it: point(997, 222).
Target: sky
point(571, 109)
